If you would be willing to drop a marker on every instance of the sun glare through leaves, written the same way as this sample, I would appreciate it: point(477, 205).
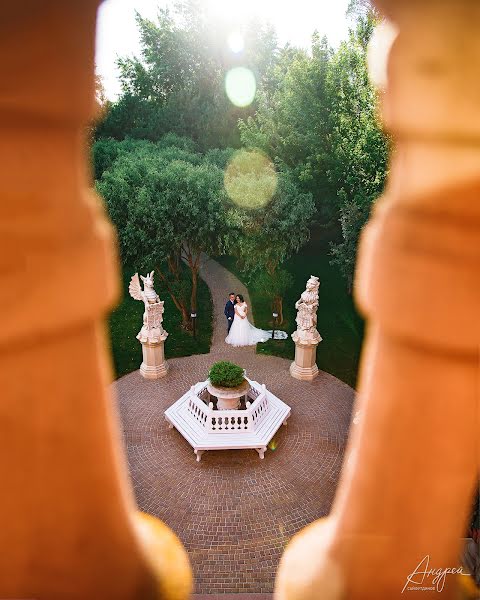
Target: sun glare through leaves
point(250, 179)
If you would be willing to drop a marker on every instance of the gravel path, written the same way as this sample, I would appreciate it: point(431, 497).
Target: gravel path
point(233, 511)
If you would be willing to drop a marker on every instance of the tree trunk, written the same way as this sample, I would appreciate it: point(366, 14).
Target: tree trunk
point(279, 309)
point(173, 261)
point(186, 320)
point(192, 258)
point(179, 302)
point(193, 296)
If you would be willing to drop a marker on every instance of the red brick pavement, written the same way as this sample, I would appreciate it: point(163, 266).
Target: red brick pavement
point(234, 512)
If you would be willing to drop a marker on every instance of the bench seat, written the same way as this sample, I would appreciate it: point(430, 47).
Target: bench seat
point(201, 438)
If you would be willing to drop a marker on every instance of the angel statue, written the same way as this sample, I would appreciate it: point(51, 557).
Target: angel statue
point(152, 317)
point(307, 313)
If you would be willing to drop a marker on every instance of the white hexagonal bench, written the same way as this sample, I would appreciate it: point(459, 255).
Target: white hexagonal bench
point(206, 428)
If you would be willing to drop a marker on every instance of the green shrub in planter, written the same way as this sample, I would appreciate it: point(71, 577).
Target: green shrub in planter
point(226, 374)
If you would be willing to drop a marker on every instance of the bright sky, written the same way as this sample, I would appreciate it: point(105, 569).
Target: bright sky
point(294, 22)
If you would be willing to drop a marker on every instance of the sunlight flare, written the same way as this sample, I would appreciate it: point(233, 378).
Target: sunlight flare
point(250, 179)
point(273, 445)
point(240, 86)
point(235, 42)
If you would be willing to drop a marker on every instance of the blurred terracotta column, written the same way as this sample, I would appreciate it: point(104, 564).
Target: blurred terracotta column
point(413, 460)
point(67, 513)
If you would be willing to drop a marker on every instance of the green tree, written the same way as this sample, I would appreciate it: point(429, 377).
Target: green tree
point(362, 8)
point(274, 287)
point(314, 116)
point(265, 237)
point(359, 148)
point(318, 119)
point(169, 207)
point(177, 83)
point(292, 120)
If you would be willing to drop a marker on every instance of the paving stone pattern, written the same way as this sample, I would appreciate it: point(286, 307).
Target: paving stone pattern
point(234, 512)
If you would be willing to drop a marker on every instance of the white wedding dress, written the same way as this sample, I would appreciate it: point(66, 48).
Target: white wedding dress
point(243, 333)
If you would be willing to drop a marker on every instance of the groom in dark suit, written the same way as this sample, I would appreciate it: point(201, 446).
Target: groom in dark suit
point(230, 310)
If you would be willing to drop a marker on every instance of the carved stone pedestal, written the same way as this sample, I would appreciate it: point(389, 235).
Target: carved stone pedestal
point(154, 365)
point(304, 366)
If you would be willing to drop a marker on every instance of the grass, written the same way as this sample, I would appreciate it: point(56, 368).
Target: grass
point(339, 324)
point(126, 321)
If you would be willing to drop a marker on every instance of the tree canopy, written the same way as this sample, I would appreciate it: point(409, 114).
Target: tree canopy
point(168, 204)
point(314, 119)
point(320, 121)
point(177, 83)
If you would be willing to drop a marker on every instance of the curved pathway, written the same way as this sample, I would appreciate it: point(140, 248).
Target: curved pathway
point(234, 512)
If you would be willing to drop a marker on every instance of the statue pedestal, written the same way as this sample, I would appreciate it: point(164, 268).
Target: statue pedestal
point(305, 364)
point(154, 365)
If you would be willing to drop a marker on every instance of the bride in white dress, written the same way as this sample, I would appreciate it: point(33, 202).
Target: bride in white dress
point(242, 332)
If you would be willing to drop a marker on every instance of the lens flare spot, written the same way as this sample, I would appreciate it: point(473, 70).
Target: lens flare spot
point(240, 86)
point(235, 42)
point(250, 179)
point(273, 445)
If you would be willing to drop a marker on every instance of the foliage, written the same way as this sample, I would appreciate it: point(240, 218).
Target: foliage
point(106, 151)
point(220, 157)
point(292, 118)
point(359, 149)
point(362, 8)
point(126, 320)
point(250, 180)
point(168, 205)
point(273, 286)
point(263, 234)
point(100, 94)
point(314, 116)
point(177, 82)
point(352, 218)
point(264, 238)
point(226, 374)
point(318, 118)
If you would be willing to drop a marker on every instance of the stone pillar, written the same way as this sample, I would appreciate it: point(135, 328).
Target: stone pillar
point(154, 365)
point(69, 527)
point(305, 364)
point(412, 461)
point(306, 337)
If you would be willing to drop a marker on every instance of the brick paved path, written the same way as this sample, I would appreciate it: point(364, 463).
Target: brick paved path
point(233, 511)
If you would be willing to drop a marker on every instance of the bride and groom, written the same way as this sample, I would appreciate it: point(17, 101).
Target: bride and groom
point(240, 331)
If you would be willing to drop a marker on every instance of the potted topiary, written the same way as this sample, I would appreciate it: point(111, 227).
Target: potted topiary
point(227, 382)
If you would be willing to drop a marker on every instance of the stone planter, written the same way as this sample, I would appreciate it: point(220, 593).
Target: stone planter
point(228, 398)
